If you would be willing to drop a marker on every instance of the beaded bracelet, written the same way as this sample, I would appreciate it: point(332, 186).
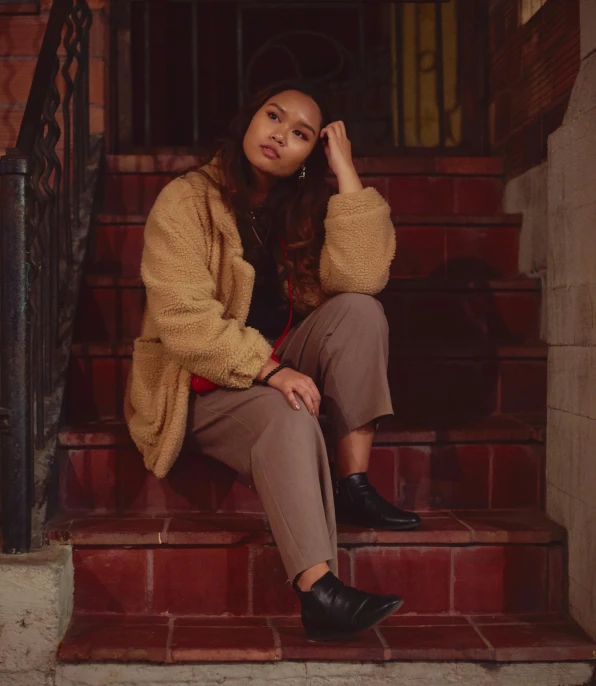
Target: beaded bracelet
point(265, 381)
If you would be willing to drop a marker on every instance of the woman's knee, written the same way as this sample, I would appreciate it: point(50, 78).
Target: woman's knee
point(365, 308)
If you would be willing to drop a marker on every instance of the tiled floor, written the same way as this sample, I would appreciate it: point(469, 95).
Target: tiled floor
point(514, 638)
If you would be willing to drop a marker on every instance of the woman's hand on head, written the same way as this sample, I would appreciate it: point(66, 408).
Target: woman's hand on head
point(337, 147)
point(290, 382)
point(339, 155)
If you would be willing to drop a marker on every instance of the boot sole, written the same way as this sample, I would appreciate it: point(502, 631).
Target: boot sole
point(322, 635)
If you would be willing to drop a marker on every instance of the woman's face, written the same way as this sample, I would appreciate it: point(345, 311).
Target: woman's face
point(282, 134)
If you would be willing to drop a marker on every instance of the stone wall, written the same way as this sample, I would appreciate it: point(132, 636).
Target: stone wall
point(571, 329)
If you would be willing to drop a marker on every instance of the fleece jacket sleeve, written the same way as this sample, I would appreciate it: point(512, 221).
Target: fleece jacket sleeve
point(181, 296)
point(359, 243)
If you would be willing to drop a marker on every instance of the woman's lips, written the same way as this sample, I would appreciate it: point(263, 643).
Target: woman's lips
point(270, 152)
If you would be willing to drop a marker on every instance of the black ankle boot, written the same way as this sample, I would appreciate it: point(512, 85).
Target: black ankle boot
point(332, 611)
point(358, 503)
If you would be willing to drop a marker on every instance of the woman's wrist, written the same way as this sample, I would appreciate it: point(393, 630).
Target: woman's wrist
point(348, 180)
point(270, 365)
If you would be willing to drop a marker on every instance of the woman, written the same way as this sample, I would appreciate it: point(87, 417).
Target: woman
point(232, 252)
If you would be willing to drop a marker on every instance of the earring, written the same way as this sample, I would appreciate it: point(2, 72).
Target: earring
point(302, 175)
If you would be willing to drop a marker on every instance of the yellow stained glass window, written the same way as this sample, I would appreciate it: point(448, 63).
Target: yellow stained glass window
point(528, 8)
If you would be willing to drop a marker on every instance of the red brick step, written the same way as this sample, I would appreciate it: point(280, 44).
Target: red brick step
point(443, 384)
point(446, 246)
point(457, 563)
point(490, 638)
point(495, 463)
point(111, 309)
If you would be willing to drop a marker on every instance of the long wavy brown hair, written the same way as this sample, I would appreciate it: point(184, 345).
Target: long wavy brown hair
point(295, 207)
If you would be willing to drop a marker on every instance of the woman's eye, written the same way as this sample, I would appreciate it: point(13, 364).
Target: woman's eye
point(272, 115)
point(300, 134)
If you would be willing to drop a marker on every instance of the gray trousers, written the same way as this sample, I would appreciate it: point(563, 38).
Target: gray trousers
point(343, 346)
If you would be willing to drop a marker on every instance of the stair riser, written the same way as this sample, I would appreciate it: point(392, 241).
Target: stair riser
point(420, 477)
point(250, 580)
point(430, 392)
point(136, 193)
point(423, 251)
point(114, 314)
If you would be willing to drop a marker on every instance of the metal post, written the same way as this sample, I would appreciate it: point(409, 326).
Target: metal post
point(17, 452)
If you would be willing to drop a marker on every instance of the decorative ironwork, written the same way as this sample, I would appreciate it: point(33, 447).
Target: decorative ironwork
point(41, 191)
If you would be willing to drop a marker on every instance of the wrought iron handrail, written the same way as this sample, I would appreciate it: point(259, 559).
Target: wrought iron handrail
point(41, 213)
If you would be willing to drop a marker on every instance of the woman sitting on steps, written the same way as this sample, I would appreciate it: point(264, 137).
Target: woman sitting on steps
point(259, 317)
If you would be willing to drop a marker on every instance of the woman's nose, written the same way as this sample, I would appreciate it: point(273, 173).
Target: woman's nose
point(278, 138)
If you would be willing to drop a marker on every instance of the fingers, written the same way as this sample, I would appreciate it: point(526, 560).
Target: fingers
point(336, 129)
point(291, 398)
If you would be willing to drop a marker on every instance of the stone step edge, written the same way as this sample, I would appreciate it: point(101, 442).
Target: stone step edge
point(496, 220)
point(451, 165)
point(458, 351)
point(395, 285)
point(445, 528)
point(506, 429)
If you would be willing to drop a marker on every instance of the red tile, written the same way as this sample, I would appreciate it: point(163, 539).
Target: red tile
point(514, 316)
point(424, 620)
point(295, 646)
point(469, 165)
point(345, 566)
point(500, 579)
point(132, 193)
point(516, 475)
point(381, 471)
point(435, 643)
point(271, 593)
point(110, 641)
point(181, 577)
point(414, 478)
point(221, 622)
point(511, 526)
point(473, 252)
point(421, 576)
point(231, 493)
point(444, 476)
point(223, 644)
point(420, 252)
point(442, 393)
point(445, 317)
point(88, 480)
point(537, 642)
point(523, 386)
point(96, 388)
point(110, 580)
point(421, 195)
point(188, 485)
point(478, 195)
point(118, 249)
point(557, 579)
point(116, 531)
point(215, 529)
point(459, 476)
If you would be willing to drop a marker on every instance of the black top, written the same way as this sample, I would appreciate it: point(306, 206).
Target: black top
point(269, 308)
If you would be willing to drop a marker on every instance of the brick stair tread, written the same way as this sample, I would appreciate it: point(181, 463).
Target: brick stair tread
point(439, 528)
point(395, 285)
point(172, 163)
point(484, 220)
point(443, 350)
point(495, 428)
point(179, 639)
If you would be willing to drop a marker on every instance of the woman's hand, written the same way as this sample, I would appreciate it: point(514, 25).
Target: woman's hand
point(339, 155)
point(289, 381)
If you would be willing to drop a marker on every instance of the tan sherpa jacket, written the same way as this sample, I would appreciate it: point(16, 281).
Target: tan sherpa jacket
point(199, 290)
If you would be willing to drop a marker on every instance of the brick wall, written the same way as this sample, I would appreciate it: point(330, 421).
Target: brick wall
point(20, 42)
point(533, 68)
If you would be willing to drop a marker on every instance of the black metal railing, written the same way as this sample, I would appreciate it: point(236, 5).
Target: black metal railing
point(43, 183)
point(391, 70)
